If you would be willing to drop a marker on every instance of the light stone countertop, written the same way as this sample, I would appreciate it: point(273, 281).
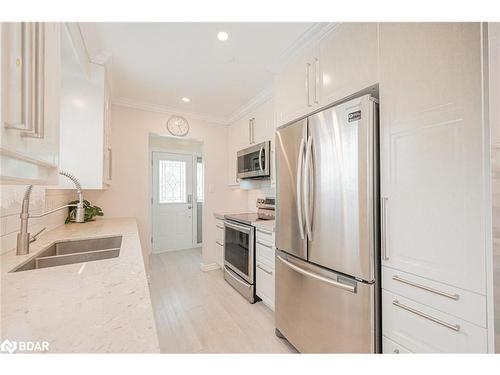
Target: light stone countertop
point(102, 306)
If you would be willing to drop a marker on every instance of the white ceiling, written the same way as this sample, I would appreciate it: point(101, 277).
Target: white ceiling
point(159, 63)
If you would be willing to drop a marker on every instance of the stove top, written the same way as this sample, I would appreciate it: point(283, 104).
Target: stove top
point(245, 218)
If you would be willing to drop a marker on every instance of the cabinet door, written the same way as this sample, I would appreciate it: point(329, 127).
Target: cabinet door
point(294, 89)
point(30, 100)
point(432, 178)
point(264, 281)
point(263, 126)
point(348, 60)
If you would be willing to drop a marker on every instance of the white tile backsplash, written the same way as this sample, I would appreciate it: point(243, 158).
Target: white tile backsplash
point(266, 190)
point(41, 199)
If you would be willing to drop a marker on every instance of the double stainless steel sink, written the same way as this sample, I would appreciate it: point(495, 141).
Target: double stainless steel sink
point(78, 251)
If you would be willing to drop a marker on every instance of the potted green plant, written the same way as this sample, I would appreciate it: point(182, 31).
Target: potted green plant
point(90, 211)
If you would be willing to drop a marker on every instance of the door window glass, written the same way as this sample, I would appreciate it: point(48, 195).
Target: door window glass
point(172, 181)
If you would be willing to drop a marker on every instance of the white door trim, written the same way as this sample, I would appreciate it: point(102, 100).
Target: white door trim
point(195, 155)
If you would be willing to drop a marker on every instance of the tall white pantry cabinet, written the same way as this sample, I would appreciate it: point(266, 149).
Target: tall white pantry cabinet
point(433, 186)
point(433, 147)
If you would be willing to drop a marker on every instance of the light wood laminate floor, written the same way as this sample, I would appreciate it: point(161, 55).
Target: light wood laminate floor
point(199, 312)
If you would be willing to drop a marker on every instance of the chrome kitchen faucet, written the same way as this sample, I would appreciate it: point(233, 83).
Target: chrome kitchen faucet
point(23, 237)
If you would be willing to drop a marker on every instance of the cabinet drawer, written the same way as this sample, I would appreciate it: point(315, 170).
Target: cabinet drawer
point(451, 300)
point(219, 232)
point(422, 329)
point(390, 347)
point(264, 251)
point(264, 235)
point(264, 283)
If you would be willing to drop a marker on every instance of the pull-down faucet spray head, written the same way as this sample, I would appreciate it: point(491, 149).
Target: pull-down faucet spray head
point(80, 210)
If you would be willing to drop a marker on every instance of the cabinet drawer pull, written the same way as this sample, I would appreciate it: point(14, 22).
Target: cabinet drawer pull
point(263, 269)
point(454, 327)
point(432, 290)
point(308, 98)
point(396, 351)
point(264, 231)
point(265, 245)
point(219, 226)
point(218, 243)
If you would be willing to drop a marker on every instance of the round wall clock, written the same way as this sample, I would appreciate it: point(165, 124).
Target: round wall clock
point(178, 126)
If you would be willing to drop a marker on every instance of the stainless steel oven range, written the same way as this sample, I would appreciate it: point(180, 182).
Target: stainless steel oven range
point(239, 254)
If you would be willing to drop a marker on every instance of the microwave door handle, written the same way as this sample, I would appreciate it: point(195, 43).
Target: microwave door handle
point(260, 158)
point(299, 188)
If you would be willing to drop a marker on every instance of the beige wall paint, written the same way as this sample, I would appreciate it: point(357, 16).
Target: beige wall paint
point(129, 194)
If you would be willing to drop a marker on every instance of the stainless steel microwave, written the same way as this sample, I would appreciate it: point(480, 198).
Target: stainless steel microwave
point(255, 161)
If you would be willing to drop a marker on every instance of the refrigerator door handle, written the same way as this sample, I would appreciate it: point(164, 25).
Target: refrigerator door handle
point(299, 188)
point(309, 189)
point(326, 280)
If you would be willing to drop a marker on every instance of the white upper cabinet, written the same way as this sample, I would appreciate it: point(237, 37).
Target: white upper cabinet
point(30, 89)
point(431, 132)
point(348, 61)
point(297, 86)
point(257, 126)
point(85, 119)
point(341, 63)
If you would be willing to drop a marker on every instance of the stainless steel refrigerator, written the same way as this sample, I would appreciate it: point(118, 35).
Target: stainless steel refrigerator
point(327, 258)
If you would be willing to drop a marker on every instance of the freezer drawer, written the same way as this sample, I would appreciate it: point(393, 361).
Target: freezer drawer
point(320, 311)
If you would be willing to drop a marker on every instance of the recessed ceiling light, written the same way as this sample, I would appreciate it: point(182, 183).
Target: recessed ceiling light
point(186, 100)
point(222, 35)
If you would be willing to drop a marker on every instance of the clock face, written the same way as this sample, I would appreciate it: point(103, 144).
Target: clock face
point(178, 126)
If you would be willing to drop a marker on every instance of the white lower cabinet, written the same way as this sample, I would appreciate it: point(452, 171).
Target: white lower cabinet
point(265, 282)
point(219, 242)
point(423, 329)
point(390, 347)
point(264, 266)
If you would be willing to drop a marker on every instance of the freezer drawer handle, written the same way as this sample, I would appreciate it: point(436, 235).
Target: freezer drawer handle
point(349, 288)
point(454, 327)
point(432, 290)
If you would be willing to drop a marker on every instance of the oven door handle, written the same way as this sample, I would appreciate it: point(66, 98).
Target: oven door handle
point(237, 227)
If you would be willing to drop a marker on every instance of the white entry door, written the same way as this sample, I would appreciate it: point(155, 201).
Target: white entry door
point(172, 201)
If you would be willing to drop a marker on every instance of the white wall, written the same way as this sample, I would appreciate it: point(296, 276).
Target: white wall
point(41, 200)
point(128, 195)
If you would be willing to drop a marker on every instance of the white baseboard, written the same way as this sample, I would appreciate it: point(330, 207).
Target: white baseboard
point(209, 267)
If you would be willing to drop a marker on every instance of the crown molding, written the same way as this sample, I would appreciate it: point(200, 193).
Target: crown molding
point(313, 34)
point(256, 101)
point(159, 108)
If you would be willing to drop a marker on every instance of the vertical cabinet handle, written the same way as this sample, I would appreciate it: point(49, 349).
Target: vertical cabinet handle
point(253, 130)
point(250, 131)
point(316, 80)
point(308, 98)
point(383, 228)
point(32, 78)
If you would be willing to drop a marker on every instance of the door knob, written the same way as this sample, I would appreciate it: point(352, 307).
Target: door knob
point(189, 207)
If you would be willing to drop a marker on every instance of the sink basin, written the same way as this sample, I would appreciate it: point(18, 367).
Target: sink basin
point(78, 251)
